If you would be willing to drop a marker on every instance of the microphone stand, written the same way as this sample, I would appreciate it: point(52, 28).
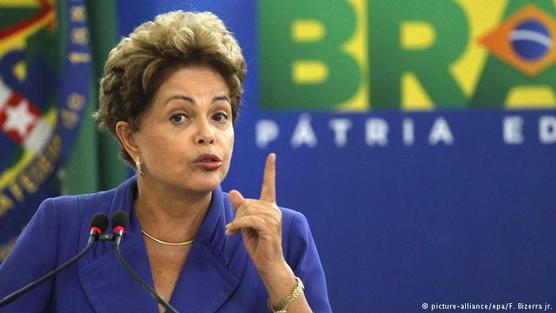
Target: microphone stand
point(150, 290)
point(14, 295)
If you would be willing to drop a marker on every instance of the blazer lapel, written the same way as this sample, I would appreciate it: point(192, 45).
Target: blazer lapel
point(204, 284)
point(105, 282)
point(110, 288)
point(209, 278)
point(215, 263)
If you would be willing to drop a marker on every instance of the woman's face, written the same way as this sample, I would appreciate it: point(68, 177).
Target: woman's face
point(186, 137)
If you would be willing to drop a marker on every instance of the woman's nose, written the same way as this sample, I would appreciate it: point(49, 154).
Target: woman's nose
point(205, 133)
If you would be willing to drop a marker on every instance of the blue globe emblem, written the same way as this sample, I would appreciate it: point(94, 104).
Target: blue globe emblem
point(531, 40)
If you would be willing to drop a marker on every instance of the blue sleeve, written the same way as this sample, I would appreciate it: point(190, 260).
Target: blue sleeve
point(304, 260)
point(32, 256)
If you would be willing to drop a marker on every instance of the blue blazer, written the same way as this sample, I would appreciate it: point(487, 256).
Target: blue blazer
point(218, 275)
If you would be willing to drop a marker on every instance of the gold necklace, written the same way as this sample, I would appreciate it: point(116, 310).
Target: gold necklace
point(166, 243)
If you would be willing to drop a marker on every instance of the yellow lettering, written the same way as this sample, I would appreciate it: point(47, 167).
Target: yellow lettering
point(36, 174)
point(5, 204)
point(57, 144)
point(16, 192)
point(42, 167)
point(28, 184)
point(33, 177)
point(54, 149)
point(51, 150)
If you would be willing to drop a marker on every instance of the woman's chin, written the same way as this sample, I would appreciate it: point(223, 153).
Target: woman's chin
point(194, 183)
point(206, 184)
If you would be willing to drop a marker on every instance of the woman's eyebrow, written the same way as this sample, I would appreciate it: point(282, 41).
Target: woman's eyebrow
point(180, 97)
point(190, 100)
point(221, 98)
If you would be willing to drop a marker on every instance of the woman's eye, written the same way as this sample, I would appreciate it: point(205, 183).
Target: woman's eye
point(178, 118)
point(220, 117)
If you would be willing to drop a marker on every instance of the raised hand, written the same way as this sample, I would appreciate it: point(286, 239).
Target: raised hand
point(260, 222)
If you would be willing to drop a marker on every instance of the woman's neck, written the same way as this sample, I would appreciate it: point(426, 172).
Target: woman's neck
point(170, 216)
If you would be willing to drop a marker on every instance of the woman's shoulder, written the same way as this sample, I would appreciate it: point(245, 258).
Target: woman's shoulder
point(293, 220)
point(81, 207)
point(81, 202)
point(296, 234)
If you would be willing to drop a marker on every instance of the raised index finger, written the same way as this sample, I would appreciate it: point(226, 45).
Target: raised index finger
point(268, 189)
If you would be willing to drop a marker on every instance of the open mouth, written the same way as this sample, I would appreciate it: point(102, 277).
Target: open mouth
point(207, 158)
point(208, 161)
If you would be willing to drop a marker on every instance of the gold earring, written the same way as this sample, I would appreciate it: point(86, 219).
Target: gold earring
point(138, 166)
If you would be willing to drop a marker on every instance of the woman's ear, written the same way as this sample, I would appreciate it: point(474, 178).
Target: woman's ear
point(126, 137)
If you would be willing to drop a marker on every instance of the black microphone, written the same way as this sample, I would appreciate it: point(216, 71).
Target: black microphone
point(99, 222)
point(120, 222)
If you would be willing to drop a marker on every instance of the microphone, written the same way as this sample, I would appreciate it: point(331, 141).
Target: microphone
point(120, 222)
point(99, 222)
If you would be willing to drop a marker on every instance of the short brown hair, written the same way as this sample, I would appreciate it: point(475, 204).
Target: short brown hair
point(140, 63)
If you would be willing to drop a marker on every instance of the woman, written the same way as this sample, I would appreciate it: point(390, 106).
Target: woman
point(170, 94)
